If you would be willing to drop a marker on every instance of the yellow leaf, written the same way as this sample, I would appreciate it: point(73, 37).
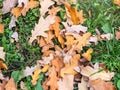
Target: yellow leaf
point(117, 2)
point(36, 76)
point(87, 54)
point(45, 68)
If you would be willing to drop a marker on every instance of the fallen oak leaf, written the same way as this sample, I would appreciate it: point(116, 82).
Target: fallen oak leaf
point(1, 28)
point(17, 11)
point(37, 72)
point(15, 36)
point(94, 74)
point(66, 83)
point(42, 26)
point(12, 22)
point(8, 5)
point(53, 79)
point(30, 5)
point(11, 85)
point(45, 4)
point(99, 84)
point(87, 54)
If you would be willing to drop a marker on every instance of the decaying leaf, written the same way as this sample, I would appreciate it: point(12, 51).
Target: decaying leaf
point(66, 83)
point(16, 11)
point(42, 26)
point(20, 2)
point(2, 54)
point(11, 85)
point(1, 28)
point(45, 4)
point(117, 33)
point(8, 5)
point(99, 84)
point(107, 36)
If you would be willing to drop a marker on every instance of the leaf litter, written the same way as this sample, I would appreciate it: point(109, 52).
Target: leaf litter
point(67, 60)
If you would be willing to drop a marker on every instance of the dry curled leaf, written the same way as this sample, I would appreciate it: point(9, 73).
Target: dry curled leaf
point(15, 36)
point(12, 22)
point(82, 85)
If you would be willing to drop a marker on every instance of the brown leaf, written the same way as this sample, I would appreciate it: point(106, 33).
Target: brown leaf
point(11, 85)
point(1, 28)
point(54, 10)
point(8, 5)
point(99, 84)
point(117, 33)
point(53, 79)
point(16, 11)
point(66, 83)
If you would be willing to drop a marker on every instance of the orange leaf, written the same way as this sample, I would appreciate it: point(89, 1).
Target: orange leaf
point(73, 13)
point(1, 28)
point(77, 17)
point(53, 79)
point(30, 5)
point(99, 84)
point(54, 10)
point(2, 65)
point(69, 67)
point(42, 42)
point(57, 63)
point(70, 40)
point(11, 85)
point(117, 2)
point(16, 11)
point(81, 41)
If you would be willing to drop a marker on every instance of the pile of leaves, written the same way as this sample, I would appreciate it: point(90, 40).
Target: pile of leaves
point(66, 48)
